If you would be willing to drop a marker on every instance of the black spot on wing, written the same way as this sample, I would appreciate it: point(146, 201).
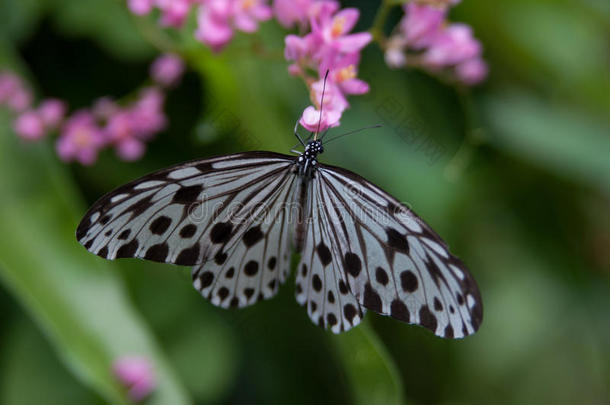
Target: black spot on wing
point(397, 241)
point(188, 231)
point(399, 310)
point(427, 318)
point(221, 232)
point(253, 236)
point(372, 300)
point(381, 276)
point(157, 253)
point(160, 225)
point(188, 194)
point(189, 256)
point(128, 249)
point(353, 265)
point(408, 281)
point(103, 252)
point(251, 268)
point(316, 283)
point(324, 254)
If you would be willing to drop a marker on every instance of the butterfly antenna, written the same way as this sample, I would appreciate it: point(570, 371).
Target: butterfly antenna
point(353, 132)
point(321, 105)
point(296, 133)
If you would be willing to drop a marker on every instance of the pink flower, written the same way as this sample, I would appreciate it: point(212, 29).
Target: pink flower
point(147, 113)
point(291, 12)
point(218, 18)
point(167, 69)
point(333, 31)
point(140, 7)
point(301, 50)
point(213, 27)
point(311, 116)
point(13, 92)
point(343, 72)
point(127, 128)
point(421, 24)
point(52, 112)
point(81, 139)
point(135, 373)
point(247, 14)
point(472, 71)
point(453, 45)
point(29, 125)
point(174, 12)
point(332, 109)
point(104, 107)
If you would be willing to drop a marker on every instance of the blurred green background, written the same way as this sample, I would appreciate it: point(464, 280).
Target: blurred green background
point(514, 174)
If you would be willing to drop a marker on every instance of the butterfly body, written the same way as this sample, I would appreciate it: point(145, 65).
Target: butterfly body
point(237, 218)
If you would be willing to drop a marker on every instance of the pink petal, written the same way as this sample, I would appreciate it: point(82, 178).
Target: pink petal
point(348, 18)
point(354, 42)
point(140, 7)
point(472, 71)
point(52, 112)
point(245, 23)
point(130, 149)
point(354, 86)
point(29, 125)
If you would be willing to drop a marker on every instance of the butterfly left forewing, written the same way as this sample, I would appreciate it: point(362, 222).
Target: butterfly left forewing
point(185, 214)
point(395, 264)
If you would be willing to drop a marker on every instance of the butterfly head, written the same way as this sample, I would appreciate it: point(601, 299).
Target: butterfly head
point(307, 160)
point(312, 149)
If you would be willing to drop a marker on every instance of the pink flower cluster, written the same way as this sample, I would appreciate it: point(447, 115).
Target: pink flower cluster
point(425, 39)
point(216, 19)
point(135, 373)
point(82, 135)
point(31, 123)
point(328, 47)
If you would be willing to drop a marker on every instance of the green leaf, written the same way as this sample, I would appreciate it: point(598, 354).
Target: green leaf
point(557, 138)
point(371, 372)
point(75, 297)
point(106, 21)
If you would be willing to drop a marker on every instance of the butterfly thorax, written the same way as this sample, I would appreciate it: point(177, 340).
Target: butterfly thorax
point(307, 161)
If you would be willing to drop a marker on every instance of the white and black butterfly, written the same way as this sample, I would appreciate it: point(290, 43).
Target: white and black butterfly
point(238, 218)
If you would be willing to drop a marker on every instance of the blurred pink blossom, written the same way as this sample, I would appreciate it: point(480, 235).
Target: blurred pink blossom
point(104, 107)
point(29, 125)
point(472, 71)
point(140, 7)
point(52, 112)
point(174, 12)
point(217, 19)
point(80, 139)
point(135, 373)
point(291, 12)
point(13, 92)
point(421, 24)
point(147, 112)
point(127, 128)
point(426, 40)
point(453, 45)
point(167, 69)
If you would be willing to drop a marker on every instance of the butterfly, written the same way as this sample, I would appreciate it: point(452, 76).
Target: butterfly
point(237, 219)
